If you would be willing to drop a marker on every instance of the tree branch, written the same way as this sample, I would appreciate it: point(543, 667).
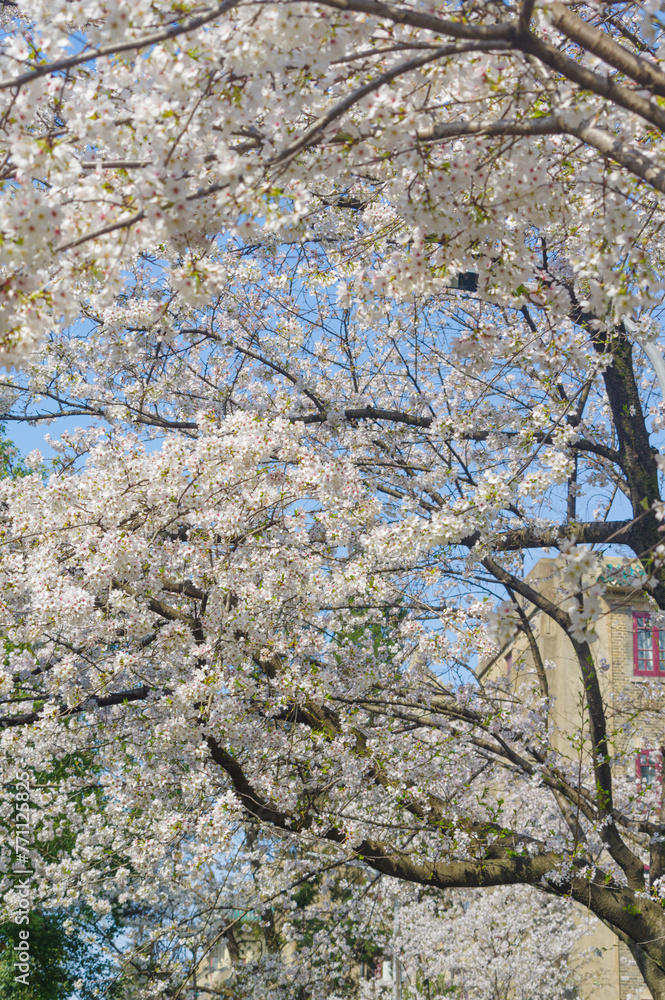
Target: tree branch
point(315, 130)
point(61, 65)
point(604, 142)
point(416, 19)
point(603, 45)
point(597, 83)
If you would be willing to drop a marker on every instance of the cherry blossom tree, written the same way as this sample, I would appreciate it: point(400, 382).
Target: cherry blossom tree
point(365, 300)
point(509, 943)
point(475, 136)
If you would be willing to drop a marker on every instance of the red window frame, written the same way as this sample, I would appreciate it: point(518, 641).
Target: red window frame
point(649, 758)
point(654, 646)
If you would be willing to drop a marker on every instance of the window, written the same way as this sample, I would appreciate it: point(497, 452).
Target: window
point(647, 768)
point(383, 971)
point(648, 647)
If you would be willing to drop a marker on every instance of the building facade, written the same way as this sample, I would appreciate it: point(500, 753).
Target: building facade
point(628, 653)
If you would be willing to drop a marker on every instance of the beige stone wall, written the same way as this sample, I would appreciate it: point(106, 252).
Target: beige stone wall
point(612, 973)
point(631, 982)
point(215, 968)
point(598, 958)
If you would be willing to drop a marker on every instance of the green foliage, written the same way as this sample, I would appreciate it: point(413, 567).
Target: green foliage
point(306, 893)
point(11, 462)
point(66, 955)
point(367, 952)
point(65, 959)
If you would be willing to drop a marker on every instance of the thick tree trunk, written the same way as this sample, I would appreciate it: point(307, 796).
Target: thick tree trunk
point(652, 974)
point(636, 455)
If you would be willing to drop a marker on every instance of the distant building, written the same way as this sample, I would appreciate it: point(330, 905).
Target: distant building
point(244, 942)
point(628, 651)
